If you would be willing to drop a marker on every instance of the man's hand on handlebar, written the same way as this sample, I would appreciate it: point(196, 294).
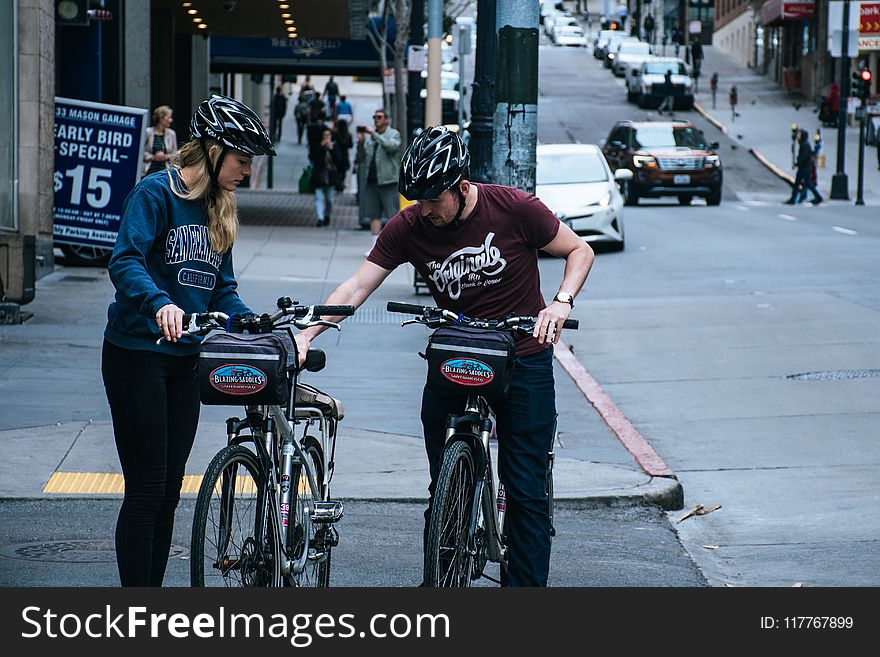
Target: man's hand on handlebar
point(548, 325)
point(303, 344)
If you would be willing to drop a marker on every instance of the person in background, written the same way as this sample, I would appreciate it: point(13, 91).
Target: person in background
point(378, 165)
point(173, 255)
point(733, 99)
point(804, 166)
point(331, 92)
point(161, 142)
point(344, 110)
point(327, 166)
point(279, 107)
point(346, 143)
point(713, 86)
point(301, 114)
point(668, 94)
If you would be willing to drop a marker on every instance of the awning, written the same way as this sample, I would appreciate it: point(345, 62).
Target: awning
point(280, 55)
point(776, 11)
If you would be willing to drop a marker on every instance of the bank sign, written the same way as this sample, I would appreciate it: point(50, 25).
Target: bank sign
point(98, 154)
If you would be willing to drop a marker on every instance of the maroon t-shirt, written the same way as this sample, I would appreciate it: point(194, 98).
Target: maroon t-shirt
point(488, 266)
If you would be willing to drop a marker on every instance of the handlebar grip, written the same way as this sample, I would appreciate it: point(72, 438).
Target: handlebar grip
point(410, 308)
point(570, 324)
point(334, 310)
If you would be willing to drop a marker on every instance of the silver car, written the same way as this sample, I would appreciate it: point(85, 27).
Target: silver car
point(575, 183)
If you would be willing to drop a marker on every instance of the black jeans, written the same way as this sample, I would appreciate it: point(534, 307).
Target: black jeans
point(526, 422)
point(154, 401)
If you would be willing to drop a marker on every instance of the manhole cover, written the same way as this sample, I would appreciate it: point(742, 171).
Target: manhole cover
point(70, 551)
point(834, 375)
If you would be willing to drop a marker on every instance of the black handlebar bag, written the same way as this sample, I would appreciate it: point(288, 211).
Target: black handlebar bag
point(243, 369)
point(470, 360)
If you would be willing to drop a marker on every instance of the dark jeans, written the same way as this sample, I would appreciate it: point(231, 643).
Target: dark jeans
point(526, 421)
point(154, 401)
point(804, 178)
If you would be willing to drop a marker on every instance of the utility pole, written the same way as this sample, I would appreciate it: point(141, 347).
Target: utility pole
point(840, 182)
point(516, 94)
point(483, 97)
point(433, 107)
point(415, 111)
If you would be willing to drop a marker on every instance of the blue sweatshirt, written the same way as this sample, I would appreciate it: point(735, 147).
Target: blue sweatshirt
point(163, 255)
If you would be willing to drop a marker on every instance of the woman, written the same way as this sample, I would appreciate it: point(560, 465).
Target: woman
point(161, 141)
point(173, 254)
point(326, 158)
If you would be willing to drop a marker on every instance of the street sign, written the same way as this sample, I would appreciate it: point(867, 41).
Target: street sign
point(695, 27)
point(416, 58)
point(98, 160)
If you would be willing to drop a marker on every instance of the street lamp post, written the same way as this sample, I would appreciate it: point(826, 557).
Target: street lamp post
point(840, 182)
point(483, 98)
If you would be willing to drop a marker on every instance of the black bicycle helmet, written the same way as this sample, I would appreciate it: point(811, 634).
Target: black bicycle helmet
point(233, 124)
point(436, 160)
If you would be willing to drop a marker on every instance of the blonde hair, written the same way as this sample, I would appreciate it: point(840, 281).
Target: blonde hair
point(159, 113)
point(223, 215)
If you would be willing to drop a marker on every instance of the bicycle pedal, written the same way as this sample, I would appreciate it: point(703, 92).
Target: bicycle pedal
point(328, 511)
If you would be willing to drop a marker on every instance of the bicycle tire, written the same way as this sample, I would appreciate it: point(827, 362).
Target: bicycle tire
point(317, 571)
point(224, 548)
point(447, 561)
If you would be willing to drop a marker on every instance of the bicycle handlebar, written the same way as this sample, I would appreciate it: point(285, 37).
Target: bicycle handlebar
point(300, 316)
point(442, 316)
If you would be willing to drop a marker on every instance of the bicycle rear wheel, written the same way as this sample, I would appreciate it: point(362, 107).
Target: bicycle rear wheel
point(235, 538)
point(302, 535)
point(447, 560)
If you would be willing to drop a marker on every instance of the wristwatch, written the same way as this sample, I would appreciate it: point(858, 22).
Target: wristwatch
point(564, 297)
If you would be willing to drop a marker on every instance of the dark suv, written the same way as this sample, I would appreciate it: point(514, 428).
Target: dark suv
point(667, 158)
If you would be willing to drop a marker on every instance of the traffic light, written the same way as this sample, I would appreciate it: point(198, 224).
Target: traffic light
point(857, 86)
point(865, 74)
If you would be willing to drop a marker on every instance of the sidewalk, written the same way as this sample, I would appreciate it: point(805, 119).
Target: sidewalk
point(765, 115)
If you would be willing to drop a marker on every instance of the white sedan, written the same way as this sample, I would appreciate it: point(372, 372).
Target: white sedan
point(569, 35)
point(575, 183)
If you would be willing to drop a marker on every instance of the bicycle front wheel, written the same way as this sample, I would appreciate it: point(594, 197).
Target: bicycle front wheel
point(447, 560)
point(235, 538)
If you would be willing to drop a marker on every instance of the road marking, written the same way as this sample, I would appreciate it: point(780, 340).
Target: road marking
point(787, 217)
point(649, 461)
point(845, 231)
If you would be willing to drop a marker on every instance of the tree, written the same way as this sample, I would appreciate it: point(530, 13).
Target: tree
point(399, 14)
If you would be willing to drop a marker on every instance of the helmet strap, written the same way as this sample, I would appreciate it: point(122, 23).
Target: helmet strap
point(213, 172)
point(461, 202)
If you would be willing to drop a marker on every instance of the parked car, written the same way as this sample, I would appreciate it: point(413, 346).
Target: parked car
point(629, 53)
point(611, 47)
point(575, 182)
point(562, 20)
point(600, 42)
point(647, 86)
point(668, 158)
point(569, 35)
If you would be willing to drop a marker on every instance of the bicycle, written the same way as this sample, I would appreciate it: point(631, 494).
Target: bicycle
point(264, 515)
point(466, 524)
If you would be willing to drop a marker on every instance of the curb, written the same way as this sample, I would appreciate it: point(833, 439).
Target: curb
point(758, 155)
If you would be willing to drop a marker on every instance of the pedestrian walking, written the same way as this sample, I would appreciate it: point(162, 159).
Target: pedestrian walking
point(378, 165)
point(649, 28)
point(316, 108)
point(344, 110)
point(301, 114)
point(173, 254)
point(733, 98)
point(331, 92)
point(805, 161)
point(713, 86)
point(346, 143)
point(279, 110)
point(668, 102)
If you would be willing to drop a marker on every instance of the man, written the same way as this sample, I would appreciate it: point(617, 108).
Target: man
point(804, 171)
point(344, 111)
point(668, 94)
point(649, 28)
point(697, 56)
point(279, 109)
point(331, 91)
point(378, 164)
point(476, 247)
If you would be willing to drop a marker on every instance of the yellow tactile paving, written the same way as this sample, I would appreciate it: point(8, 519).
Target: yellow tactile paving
point(105, 483)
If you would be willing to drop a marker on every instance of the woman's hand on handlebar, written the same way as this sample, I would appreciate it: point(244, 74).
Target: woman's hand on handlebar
point(548, 325)
point(169, 319)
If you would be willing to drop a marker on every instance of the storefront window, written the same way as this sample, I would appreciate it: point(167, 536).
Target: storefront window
point(8, 136)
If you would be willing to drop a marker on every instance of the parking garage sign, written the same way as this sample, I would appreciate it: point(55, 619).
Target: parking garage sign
point(98, 154)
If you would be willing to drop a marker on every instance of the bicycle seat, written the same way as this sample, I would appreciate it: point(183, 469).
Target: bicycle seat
point(315, 362)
